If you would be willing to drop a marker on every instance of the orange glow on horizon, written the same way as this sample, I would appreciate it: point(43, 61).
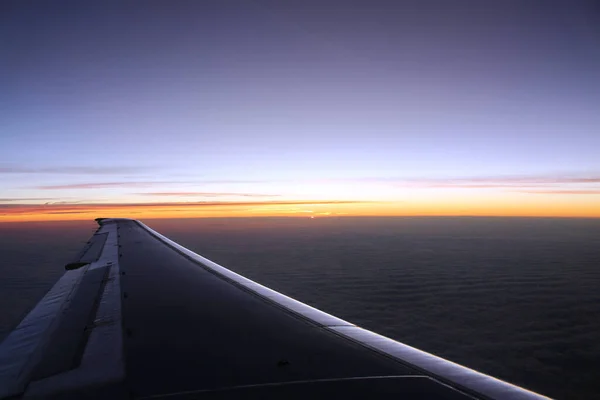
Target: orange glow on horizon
point(524, 207)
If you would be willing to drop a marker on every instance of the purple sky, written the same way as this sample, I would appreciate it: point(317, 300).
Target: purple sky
point(296, 99)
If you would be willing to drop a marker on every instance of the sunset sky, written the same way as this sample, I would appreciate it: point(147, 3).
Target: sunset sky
point(300, 108)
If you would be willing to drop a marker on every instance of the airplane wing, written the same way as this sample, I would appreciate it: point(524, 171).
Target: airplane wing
point(138, 316)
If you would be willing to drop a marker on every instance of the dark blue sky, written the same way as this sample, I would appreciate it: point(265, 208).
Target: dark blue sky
point(296, 98)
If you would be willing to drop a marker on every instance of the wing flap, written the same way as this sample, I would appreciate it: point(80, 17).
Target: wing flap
point(61, 346)
point(21, 349)
point(66, 343)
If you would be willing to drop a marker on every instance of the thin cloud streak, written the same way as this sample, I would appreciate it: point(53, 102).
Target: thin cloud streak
point(7, 200)
point(73, 170)
point(451, 182)
point(206, 194)
point(464, 181)
point(64, 202)
point(104, 185)
point(576, 192)
point(66, 212)
point(9, 209)
point(483, 182)
point(141, 184)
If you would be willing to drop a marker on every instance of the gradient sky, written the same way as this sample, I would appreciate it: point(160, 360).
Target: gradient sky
point(299, 107)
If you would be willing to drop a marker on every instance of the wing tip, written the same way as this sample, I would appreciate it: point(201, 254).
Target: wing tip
point(102, 221)
point(99, 220)
point(75, 265)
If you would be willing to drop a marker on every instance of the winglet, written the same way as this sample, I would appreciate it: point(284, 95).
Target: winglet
point(75, 265)
point(99, 220)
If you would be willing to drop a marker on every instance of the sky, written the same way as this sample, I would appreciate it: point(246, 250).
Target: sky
point(299, 108)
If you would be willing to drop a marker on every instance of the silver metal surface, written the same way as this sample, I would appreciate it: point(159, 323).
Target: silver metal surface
point(439, 367)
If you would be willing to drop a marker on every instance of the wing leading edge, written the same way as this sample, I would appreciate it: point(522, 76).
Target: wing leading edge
point(137, 315)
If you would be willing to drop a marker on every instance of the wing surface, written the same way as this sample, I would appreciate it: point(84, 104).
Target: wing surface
point(136, 315)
